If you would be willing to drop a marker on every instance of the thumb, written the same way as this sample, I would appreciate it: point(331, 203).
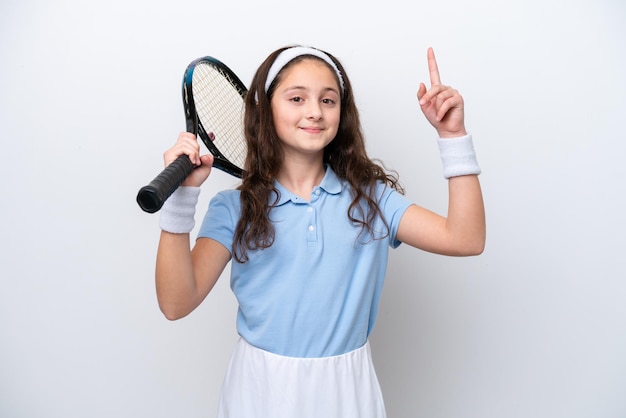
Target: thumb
point(206, 164)
point(207, 159)
point(200, 173)
point(421, 91)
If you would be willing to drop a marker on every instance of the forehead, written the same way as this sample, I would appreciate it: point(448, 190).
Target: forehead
point(308, 66)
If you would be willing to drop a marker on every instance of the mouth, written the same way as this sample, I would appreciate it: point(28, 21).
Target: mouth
point(312, 129)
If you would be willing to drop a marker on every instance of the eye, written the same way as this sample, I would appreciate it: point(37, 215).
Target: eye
point(328, 101)
point(296, 99)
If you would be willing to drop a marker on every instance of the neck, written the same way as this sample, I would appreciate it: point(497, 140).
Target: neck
point(301, 177)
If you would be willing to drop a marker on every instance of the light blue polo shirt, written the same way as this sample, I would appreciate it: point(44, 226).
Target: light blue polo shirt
point(315, 291)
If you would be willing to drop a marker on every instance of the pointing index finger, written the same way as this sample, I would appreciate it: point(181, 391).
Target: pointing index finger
point(432, 68)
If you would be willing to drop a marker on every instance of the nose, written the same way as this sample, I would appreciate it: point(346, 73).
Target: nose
point(314, 111)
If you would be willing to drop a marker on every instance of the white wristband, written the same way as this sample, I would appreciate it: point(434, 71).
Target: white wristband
point(458, 156)
point(178, 211)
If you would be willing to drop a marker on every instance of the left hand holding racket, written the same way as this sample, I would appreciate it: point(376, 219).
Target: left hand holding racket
point(442, 105)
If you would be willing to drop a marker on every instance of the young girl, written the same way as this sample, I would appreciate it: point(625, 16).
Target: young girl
point(308, 233)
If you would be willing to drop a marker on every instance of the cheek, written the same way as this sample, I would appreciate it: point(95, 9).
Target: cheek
point(281, 125)
point(281, 113)
point(277, 118)
point(336, 120)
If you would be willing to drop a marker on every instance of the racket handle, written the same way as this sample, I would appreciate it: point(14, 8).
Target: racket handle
point(151, 197)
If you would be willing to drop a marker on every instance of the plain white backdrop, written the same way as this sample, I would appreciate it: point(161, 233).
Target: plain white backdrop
point(534, 327)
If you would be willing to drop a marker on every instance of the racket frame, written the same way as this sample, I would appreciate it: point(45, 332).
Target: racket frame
point(194, 125)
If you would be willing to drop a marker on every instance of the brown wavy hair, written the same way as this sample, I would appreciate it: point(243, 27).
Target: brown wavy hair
point(346, 155)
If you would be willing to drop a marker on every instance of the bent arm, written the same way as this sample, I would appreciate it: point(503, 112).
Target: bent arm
point(461, 233)
point(184, 277)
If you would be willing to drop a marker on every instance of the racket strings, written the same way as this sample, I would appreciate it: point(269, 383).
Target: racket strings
point(220, 109)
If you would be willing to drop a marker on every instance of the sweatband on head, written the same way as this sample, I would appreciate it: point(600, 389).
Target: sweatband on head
point(178, 211)
point(458, 156)
point(290, 54)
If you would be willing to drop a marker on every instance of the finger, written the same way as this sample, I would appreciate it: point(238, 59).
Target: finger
point(186, 136)
point(434, 92)
point(188, 146)
point(447, 105)
point(187, 139)
point(445, 94)
point(171, 156)
point(432, 68)
point(184, 146)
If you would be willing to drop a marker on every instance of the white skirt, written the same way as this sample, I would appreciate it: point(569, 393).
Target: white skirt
point(266, 385)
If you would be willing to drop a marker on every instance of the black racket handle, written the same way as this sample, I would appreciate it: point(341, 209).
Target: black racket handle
point(151, 197)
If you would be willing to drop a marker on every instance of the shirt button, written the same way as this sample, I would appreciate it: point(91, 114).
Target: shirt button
point(309, 209)
point(311, 228)
point(317, 192)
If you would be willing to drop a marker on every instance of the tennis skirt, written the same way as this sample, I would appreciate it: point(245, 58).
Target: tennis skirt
point(259, 384)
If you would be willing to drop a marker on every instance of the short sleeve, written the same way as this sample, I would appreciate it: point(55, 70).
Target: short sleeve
point(221, 218)
point(393, 205)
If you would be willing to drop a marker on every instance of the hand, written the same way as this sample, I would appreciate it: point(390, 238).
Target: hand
point(187, 144)
point(442, 105)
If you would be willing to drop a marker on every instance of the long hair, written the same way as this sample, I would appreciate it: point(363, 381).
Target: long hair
point(346, 155)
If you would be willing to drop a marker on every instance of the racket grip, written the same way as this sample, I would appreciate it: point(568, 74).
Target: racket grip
point(151, 197)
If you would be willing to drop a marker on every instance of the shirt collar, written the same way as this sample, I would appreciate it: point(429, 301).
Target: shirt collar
point(330, 184)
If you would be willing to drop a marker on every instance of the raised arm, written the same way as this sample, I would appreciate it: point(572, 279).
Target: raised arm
point(185, 277)
point(463, 231)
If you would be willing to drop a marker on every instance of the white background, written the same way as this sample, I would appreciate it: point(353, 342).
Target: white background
point(534, 327)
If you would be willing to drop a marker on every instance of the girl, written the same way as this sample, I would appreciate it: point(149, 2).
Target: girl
point(308, 233)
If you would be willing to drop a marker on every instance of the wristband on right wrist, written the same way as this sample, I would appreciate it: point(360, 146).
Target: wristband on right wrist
point(178, 211)
point(458, 156)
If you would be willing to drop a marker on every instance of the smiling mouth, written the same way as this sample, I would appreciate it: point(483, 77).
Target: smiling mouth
point(312, 129)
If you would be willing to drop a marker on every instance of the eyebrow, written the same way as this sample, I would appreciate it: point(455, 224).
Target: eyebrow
point(325, 89)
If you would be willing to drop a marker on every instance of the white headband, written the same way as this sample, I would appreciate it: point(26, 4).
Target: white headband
point(289, 54)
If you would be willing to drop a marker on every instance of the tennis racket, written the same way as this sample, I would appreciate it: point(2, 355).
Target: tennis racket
point(213, 99)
